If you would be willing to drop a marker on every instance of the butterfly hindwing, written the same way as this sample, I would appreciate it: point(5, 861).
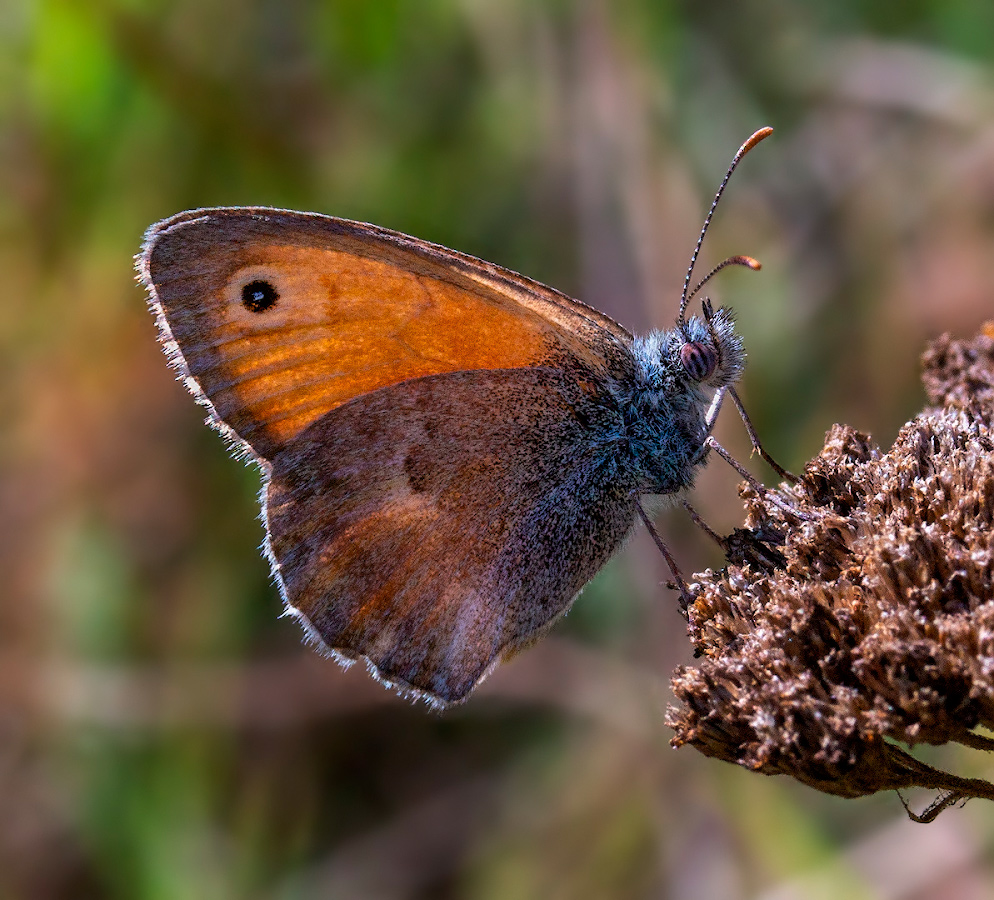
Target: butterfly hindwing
point(436, 525)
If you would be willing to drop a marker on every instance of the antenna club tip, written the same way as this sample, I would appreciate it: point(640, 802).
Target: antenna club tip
point(754, 139)
point(749, 262)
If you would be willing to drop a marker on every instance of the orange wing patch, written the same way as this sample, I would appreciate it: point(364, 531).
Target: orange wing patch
point(344, 326)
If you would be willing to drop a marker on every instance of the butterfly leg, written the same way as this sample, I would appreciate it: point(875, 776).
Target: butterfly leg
point(711, 444)
point(754, 440)
point(695, 517)
point(757, 546)
point(712, 414)
point(685, 596)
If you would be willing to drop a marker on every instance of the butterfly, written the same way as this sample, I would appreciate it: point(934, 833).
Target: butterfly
point(450, 450)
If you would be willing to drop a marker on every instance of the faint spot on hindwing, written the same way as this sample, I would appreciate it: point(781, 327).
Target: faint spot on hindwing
point(418, 474)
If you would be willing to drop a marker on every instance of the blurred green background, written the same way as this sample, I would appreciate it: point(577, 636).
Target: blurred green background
point(162, 733)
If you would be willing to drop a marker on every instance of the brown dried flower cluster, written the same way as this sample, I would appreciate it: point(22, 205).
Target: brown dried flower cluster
point(857, 610)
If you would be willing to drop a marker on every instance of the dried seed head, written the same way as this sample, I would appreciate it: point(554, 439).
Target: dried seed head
point(871, 619)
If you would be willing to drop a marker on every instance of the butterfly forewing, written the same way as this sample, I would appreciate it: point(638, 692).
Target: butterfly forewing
point(279, 317)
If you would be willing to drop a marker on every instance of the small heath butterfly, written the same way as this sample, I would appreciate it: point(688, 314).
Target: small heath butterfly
point(450, 450)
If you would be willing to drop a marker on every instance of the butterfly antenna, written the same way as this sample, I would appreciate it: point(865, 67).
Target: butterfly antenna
point(687, 294)
point(746, 261)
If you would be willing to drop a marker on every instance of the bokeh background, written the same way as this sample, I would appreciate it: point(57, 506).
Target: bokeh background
point(162, 733)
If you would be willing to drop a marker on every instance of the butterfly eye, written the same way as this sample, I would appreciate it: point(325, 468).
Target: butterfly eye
point(258, 296)
point(699, 360)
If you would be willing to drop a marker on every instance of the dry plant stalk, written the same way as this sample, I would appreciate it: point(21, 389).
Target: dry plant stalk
point(866, 620)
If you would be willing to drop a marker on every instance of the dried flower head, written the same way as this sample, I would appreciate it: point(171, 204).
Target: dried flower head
point(866, 617)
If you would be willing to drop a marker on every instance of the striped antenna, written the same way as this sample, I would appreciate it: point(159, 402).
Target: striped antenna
point(734, 260)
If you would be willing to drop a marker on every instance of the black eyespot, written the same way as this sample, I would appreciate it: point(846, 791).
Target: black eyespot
point(258, 296)
point(699, 360)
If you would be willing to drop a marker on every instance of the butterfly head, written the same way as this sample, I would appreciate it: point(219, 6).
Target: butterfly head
point(707, 351)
